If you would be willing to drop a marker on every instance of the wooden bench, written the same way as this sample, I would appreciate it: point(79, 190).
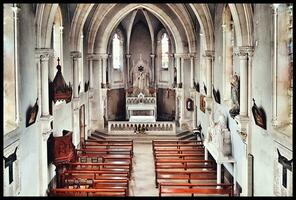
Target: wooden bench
point(184, 175)
point(117, 151)
point(179, 151)
point(174, 141)
point(94, 174)
point(182, 164)
point(125, 167)
point(177, 155)
point(88, 192)
point(108, 145)
point(199, 189)
point(97, 184)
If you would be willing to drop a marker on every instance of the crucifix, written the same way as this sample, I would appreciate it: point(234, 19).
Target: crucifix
point(9, 163)
point(287, 164)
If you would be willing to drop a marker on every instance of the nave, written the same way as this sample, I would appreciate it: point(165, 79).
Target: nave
point(116, 167)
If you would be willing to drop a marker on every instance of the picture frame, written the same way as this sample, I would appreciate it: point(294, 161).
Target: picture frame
point(32, 114)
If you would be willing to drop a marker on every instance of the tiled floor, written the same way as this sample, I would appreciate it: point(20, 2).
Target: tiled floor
point(142, 180)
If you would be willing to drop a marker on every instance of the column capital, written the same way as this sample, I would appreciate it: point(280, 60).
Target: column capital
point(275, 7)
point(128, 55)
point(90, 56)
point(244, 51)
point(43, 53)
point(75, 54)
point(152, 55)
point(209, 53)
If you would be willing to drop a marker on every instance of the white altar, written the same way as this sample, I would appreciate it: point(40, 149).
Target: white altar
point(141, 108)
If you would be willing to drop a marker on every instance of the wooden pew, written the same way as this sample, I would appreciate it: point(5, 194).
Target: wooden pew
point(97, 184)
point(180, 151)
point(188, 176)
point(104, 151)
point(199, 189)
point(183, 164)
point(124, 167)
point(100, 166)
point(88, 192)
point(175, 141)
point(177, 155)
point(111, 146)
point(94, 174)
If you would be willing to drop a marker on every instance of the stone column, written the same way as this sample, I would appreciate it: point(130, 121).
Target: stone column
point(75, 101)
point(153, 67)
point(44, 58)
point(209, 60)
point(43, 165)
point(128, 56)
point(182, 72)
point(104, 57)
point(243, 59)
point(192, 71)
point(274, 70)
point(45, 118)
point(75, 56)
point(178, 67)
point(91, 79)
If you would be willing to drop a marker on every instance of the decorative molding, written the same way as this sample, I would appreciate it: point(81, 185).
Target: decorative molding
point(75, 54)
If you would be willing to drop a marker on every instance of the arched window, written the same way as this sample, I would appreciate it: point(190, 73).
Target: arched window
point(57, 41)
point(164, 51)
point(117, 51)
point(10, 59)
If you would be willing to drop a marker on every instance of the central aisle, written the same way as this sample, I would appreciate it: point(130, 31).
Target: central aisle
point(142, 178)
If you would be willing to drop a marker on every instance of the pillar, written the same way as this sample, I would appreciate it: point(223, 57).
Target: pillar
point(45, 118)
point(192, 71)
point(75, 55)
point(75, 101)
point(275, 61)
point(243, 84)
point(104, 69)
point(91, 77)
point(182, 72)
point(44, 58)
point(178, 68)
point(153, 67)
point(209, 60)
point(128, 56)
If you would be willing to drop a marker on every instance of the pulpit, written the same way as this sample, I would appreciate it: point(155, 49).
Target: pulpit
point(63, 152)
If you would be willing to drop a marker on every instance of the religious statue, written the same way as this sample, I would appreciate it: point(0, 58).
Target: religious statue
point(234, 96)
point(141, 78)
point(219, 135)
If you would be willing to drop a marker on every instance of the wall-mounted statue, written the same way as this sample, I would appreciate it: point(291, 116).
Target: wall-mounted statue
point(219, 135)
point(234, 96)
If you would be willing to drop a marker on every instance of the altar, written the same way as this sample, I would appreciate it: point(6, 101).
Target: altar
point(141, 96)
point(141, 108)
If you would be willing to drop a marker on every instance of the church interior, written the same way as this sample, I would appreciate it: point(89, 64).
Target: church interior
point(147, 99)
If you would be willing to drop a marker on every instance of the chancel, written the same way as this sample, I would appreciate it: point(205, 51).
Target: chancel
point(147, 99)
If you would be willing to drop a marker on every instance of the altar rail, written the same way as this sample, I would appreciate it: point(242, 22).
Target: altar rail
point(125, 127)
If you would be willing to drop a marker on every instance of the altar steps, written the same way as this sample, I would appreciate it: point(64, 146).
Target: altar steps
point(141, 138)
